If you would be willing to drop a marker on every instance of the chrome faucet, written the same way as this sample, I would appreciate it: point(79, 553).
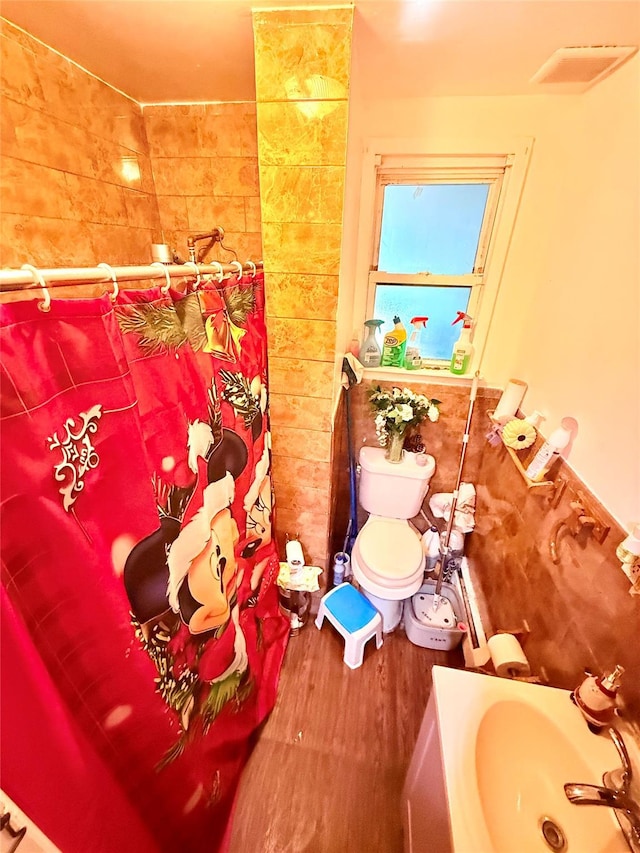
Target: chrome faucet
point(613, 793)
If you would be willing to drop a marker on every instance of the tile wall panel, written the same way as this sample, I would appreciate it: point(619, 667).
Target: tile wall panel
point(76, 182)
point(579, 612)
point(205, 166)
point(302, 54)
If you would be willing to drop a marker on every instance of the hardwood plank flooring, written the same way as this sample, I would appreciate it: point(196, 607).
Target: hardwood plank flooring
point(327, 771)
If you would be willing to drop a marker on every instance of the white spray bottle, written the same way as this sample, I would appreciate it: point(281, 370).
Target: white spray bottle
point(412, 356)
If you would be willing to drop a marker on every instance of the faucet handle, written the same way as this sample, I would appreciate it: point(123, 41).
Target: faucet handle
point(627, 772)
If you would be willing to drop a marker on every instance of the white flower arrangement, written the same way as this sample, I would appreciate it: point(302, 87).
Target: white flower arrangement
point(397, 410)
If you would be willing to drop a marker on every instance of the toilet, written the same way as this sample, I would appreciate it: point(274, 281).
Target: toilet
point(387, 557)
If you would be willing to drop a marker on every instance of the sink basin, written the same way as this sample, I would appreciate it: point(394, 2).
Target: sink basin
point(522, 762)
point(489, 767)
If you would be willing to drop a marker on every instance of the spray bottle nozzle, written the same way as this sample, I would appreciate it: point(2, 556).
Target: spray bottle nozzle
point(419, 321)
point(466, 319)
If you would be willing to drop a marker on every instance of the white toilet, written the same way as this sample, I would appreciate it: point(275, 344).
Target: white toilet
point(387, 557)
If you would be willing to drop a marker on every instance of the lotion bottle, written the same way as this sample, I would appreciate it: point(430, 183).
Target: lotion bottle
point(548, 453)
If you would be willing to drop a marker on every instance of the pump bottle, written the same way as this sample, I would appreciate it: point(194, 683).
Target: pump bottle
point(597, 697)
point(413, 356)
point(548, 453)
point(463, 348)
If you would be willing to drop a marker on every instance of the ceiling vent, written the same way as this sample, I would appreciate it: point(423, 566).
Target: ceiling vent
point(581, 67)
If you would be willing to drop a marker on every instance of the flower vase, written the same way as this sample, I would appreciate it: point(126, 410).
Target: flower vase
point(394, 446)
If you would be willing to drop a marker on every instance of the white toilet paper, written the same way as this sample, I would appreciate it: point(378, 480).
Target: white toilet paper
point(507, 656)
point(510, 401)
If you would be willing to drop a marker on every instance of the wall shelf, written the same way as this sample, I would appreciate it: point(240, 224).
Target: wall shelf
point(543, 486)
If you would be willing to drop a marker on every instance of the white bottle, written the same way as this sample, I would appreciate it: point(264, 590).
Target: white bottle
point(546, 456)
point(431, 548)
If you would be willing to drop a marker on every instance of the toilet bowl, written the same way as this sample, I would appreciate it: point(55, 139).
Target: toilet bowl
point(387, 558)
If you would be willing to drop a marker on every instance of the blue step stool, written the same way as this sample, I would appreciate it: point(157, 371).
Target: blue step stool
point(353, 616)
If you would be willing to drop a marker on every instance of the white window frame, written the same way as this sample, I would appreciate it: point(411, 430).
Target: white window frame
point(412, 161)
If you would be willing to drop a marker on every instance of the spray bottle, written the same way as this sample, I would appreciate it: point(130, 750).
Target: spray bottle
point(463, 348)
point(395, 343)
point(370, 352)
point(413, 357)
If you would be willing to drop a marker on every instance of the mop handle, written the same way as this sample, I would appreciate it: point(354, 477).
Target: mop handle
point(454, 502)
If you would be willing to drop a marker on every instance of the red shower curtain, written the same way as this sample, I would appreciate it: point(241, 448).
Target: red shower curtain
point(138, 562)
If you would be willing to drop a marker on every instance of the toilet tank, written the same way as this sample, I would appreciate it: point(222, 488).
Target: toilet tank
point(393, 490)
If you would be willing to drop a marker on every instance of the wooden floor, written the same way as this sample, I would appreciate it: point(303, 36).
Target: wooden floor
point(327, 772)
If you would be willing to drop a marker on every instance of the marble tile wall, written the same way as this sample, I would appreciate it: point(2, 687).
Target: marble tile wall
point(205, 167)
point(302, 78)
point(579, 612)
point(75, 175)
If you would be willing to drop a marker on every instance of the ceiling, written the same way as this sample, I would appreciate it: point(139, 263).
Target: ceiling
point(202, 50)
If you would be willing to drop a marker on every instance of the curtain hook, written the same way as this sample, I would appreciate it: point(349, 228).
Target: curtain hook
point(114, 278)
point(254, 268)
point(45, 305)
point(220, 272)
point(197, 271)
point(240, 268)
point(165, 287)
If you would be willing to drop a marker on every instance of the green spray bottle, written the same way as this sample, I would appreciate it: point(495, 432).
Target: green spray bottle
point(463, 348)
point(370, 352)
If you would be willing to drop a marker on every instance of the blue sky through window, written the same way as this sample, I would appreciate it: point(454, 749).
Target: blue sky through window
point(431, 227)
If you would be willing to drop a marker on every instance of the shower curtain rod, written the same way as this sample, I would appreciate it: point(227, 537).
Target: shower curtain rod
point(26, 278)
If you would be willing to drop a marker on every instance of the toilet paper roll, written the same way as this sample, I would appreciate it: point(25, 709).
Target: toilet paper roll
point(507, 656)
point(510, 401)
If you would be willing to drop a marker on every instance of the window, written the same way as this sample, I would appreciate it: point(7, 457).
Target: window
point(441, 227)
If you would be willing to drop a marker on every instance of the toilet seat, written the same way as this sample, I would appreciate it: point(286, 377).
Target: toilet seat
point(389, 552)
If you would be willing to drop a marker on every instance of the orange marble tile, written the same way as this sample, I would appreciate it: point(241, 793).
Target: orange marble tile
point(305, 444)
point(142, 209)
point(234, 176)
point(303, 248)
point(315, 475)
point(203, 212)
point(292, 46)
point(309, 194)
point(312, 413)
point(313, 297)
point(183, 175)
point(96, 201)
point(173, 212)
point(247, 246)
point(19, 78)
point(120, 244)
point(171, 133)
point(253, 220)
point(298, 376)
point(312, 340)
point(309, 142)
point(298, 496)
point(30, 189)
point(44, 242)
point(228, 130)
point(306, 525)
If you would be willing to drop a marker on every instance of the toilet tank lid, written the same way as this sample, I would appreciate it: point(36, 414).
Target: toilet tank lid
point(373, 459)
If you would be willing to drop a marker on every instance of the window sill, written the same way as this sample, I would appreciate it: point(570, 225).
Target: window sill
point(442, 376)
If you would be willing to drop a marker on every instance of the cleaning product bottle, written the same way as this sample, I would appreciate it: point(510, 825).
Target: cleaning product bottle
point(548, 453)
point(395, 343)
point(370, 352)
point(597, 697)
point(413, 357)
point(431, 548)
point(463, 348)
point(354, 345)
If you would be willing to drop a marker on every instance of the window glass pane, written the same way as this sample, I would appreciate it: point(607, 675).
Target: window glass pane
point(439, 304)
point(431, 227)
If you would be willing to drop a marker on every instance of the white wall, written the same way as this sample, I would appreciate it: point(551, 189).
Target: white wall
point(567, 314)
